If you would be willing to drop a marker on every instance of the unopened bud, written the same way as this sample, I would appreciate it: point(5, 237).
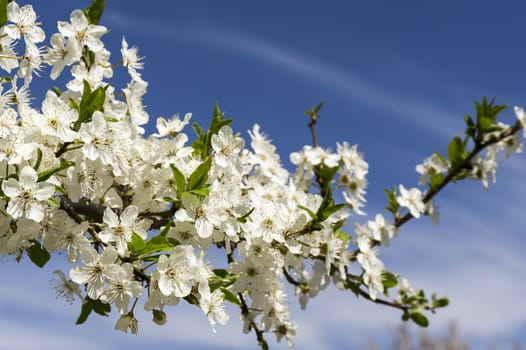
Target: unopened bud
point(159, 317)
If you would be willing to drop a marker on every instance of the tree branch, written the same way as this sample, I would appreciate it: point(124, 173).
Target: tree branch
point(246, 313)
point(464, 165)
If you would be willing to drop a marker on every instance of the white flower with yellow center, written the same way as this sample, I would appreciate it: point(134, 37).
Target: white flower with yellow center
point(26, 194)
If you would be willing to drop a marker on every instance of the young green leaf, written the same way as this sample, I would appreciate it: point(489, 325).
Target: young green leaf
point(200, 192)
point(45, 175)
point(38, 254)
point(308, 211)
point(419, 319)
point(199, 131)
point(455, 151)
point(392, 203)
point(159, 244)
point(90, 305)
point(442, 302)
point(231, 296)
point(327, 212)
point(354, 287)
point(165, 229)
point(389, 280)
point(326, 174)
point(314, 113)
point(90, 102)
point(342, 236)
point(435, 179)
point(180, 181)
point(87, 307)
point(218, 121)
point(39, 159)
point(327, 202)
point(101, 308)
point(198, 178)
point(243, 219)
point(136, 244)
point(94, 12)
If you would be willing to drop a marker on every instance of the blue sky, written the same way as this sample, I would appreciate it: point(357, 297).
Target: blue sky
point(396, 78)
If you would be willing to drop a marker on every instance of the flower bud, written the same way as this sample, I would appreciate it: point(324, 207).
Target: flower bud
point(126, 322)
point(159, 317)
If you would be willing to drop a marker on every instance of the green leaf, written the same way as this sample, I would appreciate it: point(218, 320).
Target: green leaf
point(45, 175)
point(165, 229)
point(263, 344)
point(471, 128)
point(218, 121)
point(90, 305)
point(392, 203)
point(74, 104)
point(95, 102)
point(199, 148)
point(38, 254)
point(199, 131)
point(326, 174)
point(39, 159)
point(327, 212)
point(442, 302)
point(90, 102)
point(159, 244)
point(198, 178)
point(94, 12)
point(222, 273)
point(229, 280)
point(327, 207)
point(354, 287)
point(435, 179)
point(110, 119)
point(455, 151)
point(442, 159)
point(243, 219)
point(3, 11)
point(419, 319)
point(87, 307)
point(231, 296)
point(201, 192)
point(326, 203)
point(57, 91)
point(170, 200)
point(314, 112)
point(487, 114)
point(136, 244)
point(310, 212)
point(215, 282)
point(156, 244)
point(221, 279)
point(180, 180)
point(389, 280)
point(342, 236)
point(101, 308)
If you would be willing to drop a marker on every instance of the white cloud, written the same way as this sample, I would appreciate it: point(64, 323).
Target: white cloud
point(474, 258)
point(18, 335)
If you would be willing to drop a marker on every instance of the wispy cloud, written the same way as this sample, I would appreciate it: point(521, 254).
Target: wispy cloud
point(341, 80)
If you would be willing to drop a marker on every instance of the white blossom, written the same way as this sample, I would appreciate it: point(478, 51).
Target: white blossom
point(26, 195)
point(412, 200)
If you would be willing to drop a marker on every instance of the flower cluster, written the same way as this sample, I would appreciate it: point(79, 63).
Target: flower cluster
point(137, 215)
